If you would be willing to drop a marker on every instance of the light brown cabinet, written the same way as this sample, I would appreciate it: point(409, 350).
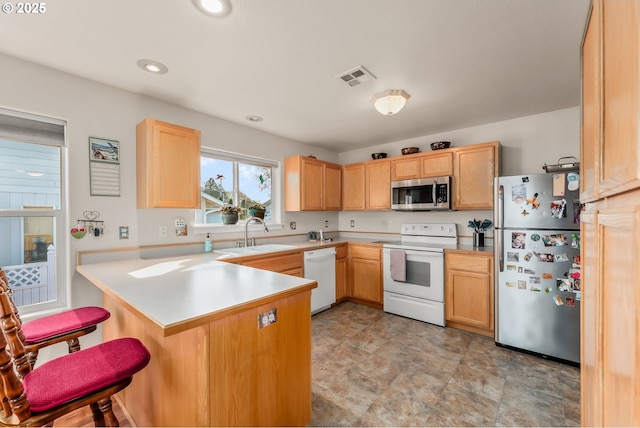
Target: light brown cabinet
point(311, 184)
point(365, 274)
point(474, 169)
point(469, 291)
point(341, 273)
point(367, 185)
point(168, 165)
point(610, 223)
point(378, 185)
point(353, 179)
point(422, 165)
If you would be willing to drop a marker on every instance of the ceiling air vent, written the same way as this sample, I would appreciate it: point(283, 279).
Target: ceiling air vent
point(356, 76)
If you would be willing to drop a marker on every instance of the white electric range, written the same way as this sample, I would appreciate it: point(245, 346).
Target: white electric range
point(414, 271)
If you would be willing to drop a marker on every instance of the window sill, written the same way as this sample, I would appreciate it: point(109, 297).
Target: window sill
point(203, 229)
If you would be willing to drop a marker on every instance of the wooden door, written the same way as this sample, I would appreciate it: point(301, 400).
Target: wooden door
point(405, 168)
point(312, 186)
point(619, 169)
point(469, 292)
point(168, 165)
point(618, 240)
point(332, 187)
point(474, 169)
point(378, 185)
point(353, 188)
point(590, 338)
point(591, 103)
point(437, 165)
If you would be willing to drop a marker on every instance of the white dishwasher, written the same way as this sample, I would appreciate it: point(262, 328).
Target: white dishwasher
point(320, 265)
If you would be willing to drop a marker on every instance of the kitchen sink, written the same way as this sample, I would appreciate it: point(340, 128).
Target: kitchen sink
point(265, 248)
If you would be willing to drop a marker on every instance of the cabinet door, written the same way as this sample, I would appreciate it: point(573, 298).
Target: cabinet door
point(437, 165)
point(168, 165)
point(366, 284)
point(378, 185)
point(474, 169)
point(405, 168)
point(590, 352)
point(591, 102)
point(618, 245)
point(332, 187)
point(469, 291)
point(312, 186)
point(353, 187)
point(620, 169)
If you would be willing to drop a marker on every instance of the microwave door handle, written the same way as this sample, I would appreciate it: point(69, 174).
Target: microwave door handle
point(433, 194)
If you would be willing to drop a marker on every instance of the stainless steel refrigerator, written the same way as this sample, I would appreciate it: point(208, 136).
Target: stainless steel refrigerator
point(537, 256)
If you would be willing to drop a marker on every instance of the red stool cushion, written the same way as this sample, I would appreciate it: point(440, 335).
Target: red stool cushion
point(84, 372)
point(65, 322)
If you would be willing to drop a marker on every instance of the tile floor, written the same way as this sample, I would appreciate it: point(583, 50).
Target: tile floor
point(371, 368)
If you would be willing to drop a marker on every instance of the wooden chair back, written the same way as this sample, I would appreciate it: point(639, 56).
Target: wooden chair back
point(13, 363)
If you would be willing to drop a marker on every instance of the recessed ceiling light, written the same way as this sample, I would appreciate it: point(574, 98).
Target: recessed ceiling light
point(253, 118)
point(152, 66)
point(217, 8)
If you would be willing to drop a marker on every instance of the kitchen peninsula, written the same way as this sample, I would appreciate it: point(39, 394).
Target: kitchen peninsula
point(230, 345)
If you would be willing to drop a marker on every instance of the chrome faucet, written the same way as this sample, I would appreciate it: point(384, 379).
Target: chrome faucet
point(246, 225)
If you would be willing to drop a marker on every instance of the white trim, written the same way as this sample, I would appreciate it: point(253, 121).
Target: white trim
point(237, 157)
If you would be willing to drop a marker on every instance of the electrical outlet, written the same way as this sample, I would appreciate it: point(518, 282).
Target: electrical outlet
point(390, 224)
point(292, 225)
point(163, 232)
point(326, 223)
point(353, 223)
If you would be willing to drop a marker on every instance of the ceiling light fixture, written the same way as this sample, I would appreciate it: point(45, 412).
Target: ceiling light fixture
point(254, 118)
point(152, 66)
point(390, 101)
point(217, 8)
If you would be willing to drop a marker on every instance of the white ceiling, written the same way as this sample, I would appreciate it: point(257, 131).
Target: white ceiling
point(464, 62)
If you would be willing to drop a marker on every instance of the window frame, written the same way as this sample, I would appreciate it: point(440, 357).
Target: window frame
point(60, 216)
point(237, 158)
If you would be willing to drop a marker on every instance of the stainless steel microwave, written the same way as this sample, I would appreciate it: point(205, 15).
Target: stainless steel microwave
point(423, 194)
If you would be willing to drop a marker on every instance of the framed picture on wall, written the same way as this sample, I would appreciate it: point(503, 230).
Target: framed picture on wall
point(104, 150)
point(104, 167)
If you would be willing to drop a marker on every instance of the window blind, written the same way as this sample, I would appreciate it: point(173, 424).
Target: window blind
point(237, 157)
point(31, 128)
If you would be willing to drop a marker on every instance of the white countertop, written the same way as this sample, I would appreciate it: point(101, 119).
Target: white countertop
point(170, 292)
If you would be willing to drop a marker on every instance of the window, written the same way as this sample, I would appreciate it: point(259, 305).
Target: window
point(238, 180)
point(32, 213)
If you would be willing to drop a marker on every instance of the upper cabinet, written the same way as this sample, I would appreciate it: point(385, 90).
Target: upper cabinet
point(422, 165)
point(311, 184)
point(378, 185)
point(168, 165)
point(353, 194)
point(367, 186)
point(474, 170)
point(611, 100)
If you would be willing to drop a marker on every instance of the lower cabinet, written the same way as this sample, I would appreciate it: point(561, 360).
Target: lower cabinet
point(469, 295)
point(365, 274)
point(342, 291)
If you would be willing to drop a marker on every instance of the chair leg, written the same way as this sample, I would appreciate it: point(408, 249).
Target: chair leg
point(109, 417)
point(96, 414)
point(74, 345)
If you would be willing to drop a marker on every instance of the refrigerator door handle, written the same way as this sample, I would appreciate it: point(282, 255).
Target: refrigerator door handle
point(499, 217)
point(500, 208)
point(499, 253)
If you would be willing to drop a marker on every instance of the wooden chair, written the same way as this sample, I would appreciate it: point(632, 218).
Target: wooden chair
point(36, 397)
point(66, 326)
